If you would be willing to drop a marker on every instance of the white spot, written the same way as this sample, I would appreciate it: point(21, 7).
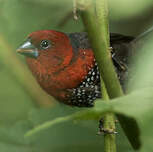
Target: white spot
point(89, 72)
point(83, 82)
point(79, 90)
point(92, 78)
point(88, 79)
point(92, 86)
point(78, 94)
point(87, 85)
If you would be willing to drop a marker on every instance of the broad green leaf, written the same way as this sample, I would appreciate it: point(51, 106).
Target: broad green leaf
point(79, 132)
point(139, 106)
point(12, 139)
point(90, 114)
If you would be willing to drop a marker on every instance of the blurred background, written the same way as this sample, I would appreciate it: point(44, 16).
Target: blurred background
point(23, 104)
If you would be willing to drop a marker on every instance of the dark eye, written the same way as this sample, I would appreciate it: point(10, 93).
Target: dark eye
point(45, 44)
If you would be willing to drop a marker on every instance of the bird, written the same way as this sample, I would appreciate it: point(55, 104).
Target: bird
point(65, 67)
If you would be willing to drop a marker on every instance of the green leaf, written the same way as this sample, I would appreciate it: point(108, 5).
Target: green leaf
point(136, 106)
point(139, 106)
point(90, 114)
point(12, 139)
point(79, 134)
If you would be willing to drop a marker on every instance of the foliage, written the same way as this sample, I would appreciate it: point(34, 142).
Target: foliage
point(77, 129)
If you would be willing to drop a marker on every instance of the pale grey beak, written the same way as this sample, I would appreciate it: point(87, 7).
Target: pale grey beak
point(28, 49)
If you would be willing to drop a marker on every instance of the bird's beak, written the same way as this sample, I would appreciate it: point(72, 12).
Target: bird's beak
point(28, 49)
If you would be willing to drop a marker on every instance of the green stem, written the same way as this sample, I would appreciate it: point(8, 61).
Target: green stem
point(95, 18)
point(96, 22)
point(109, 123)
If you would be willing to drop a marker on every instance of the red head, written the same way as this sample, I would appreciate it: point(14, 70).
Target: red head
point(55, 63)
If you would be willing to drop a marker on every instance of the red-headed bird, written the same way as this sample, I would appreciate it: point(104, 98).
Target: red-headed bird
point(65, 67)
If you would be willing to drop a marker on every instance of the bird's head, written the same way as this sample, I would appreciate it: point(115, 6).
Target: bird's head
point(58, 62)
point(48, 48)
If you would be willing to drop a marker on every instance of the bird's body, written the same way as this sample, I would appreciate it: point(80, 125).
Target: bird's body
point(65, 67)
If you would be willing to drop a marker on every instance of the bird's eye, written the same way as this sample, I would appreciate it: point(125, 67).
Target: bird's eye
point(45, 44)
